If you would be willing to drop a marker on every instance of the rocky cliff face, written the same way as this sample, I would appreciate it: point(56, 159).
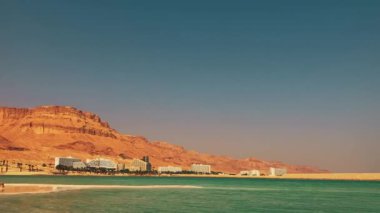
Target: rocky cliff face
point(41, 133)
point(55, 120)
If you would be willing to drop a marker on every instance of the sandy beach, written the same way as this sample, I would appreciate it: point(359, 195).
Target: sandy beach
point(321, 176)
point(307, 176)
point(334, 176)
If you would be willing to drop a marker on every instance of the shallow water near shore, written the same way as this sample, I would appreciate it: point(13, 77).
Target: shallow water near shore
point(213, 195)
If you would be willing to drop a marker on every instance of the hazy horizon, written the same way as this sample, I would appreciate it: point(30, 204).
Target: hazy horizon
point(294, 81)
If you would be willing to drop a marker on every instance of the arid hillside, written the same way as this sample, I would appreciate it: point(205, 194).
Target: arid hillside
point(39, 134)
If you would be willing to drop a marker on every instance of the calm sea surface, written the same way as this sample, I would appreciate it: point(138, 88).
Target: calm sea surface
point(217, 195)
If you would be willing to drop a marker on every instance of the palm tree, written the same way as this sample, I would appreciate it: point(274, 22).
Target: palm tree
point(19, 165)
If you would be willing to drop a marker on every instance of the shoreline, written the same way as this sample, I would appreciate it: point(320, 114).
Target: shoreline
point(310, 176)
point(301, 176)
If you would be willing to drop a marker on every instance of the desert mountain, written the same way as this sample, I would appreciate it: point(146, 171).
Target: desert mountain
point(42, 133)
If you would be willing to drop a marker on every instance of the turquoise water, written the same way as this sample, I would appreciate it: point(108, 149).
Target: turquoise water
point(216, 195)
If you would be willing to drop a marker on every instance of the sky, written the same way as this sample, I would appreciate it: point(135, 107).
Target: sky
point(294, 81)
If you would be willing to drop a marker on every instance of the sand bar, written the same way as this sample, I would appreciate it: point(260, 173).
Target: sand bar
point(13, 189)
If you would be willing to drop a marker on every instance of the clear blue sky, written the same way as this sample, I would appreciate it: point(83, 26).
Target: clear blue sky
point(296, 81)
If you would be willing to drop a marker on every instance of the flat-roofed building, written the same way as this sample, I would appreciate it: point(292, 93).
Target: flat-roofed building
point(250, 173)
point(148, 164)
point(134, 168)
point(79, 165)
point(201, 168)
point(169, 169)
point(138, 165)
point(101, 163)
point(65, 161)
point(120, 166)
point(277, 171)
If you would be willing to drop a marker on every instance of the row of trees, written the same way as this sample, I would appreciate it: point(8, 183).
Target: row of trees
point(191, 172)
point(65, 169)
point(5, 165)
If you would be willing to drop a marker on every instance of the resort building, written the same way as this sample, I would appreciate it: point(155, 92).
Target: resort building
point(101, 163)
point(277, 171)
point(250, 173)
point(148, 164)
point(138, 165)
point(65, 161)
point(120, 166)
point(201, 168)
point(79, 165)
point(169, 169)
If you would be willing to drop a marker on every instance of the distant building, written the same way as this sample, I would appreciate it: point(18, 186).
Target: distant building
point(65, 161)
point(201, 168)
point(250, 173)
point(101, 163)
point(148, 164)
point(138, 165)
point(169, 169)
point(277, 171)
point(120, 166)
point(79, 165)
point(134, 168)
point(145, 159)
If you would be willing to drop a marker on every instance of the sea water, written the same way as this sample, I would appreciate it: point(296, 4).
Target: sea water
point(215, 195)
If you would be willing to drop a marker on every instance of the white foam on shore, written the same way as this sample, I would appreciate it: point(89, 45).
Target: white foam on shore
point(63, 187)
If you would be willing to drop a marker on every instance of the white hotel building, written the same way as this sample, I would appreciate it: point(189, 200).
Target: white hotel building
point(65, 161)
point(277, 171)
point(101, 163)
point(138, 165)
point(201, 168)
point(169, 169)
point(79, 165)
point(250, 173)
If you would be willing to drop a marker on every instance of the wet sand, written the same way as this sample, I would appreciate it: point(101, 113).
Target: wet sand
point(14, 189)
point(318, 176)
point(335, 176)
point(25, 173)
